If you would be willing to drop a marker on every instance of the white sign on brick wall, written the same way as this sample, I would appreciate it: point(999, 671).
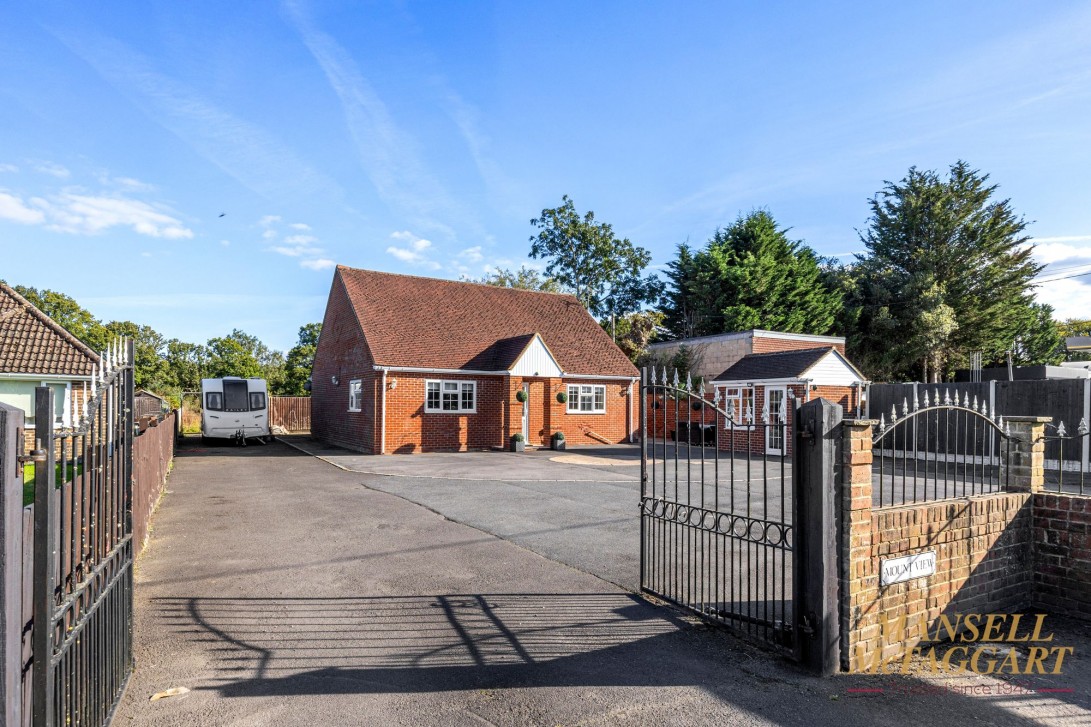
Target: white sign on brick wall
point(906, 568)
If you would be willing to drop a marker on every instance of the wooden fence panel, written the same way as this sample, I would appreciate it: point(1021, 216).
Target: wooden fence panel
point(153, 451)
point(293, 413)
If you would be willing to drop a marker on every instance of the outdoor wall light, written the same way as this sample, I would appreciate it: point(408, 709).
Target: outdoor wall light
point(393, 384)
point(334, 380)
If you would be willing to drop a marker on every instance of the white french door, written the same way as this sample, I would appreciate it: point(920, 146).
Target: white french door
point(775, 400)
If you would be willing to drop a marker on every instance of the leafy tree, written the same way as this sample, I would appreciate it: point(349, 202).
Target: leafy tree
point(633, 332)
point(300, 360)
point(524, 278)
point(240, 354)
point(74, 318)
point(186, 365)
point(604, 272)
point(750, 275)
point(947, 273)
point(227, 356)
point(1072, 327)
point(681, 309)
point(149, 346)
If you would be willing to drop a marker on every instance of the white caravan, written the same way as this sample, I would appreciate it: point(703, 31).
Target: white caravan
point(234, 408)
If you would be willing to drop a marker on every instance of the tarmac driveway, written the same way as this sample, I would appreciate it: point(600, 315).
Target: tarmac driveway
point(579, 507)
point(280, 590)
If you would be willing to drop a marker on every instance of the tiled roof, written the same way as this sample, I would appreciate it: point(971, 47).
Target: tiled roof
point(444, 324)
point(776, 365)
point(33, 343)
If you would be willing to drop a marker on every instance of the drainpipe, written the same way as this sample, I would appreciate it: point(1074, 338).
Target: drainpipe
point(382, 421)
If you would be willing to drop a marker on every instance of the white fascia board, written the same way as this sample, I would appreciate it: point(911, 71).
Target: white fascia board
point(601, 377)
point(759, 382)
point(44, 377)
point(422, 370)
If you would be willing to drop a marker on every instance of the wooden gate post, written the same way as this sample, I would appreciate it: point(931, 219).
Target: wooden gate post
point(815, 571)
point(11, 566)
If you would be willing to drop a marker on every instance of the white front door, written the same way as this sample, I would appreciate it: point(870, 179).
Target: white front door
point(526, 413)
point(774, 432)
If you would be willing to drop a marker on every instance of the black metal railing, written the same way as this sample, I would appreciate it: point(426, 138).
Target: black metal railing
point(716, 510)
point(83, 550)
point(1067, 473)
point(937, 449)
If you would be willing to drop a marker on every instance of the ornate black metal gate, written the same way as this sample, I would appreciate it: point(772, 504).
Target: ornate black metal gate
point(83, 550)
point(716, 506)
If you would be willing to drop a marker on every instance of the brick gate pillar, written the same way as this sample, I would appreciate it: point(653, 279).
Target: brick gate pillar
point(1027, 462)
point(859, 583)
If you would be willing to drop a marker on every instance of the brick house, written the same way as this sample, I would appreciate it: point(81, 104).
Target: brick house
point(762, 387)
point(36, 351)
point(411, 364)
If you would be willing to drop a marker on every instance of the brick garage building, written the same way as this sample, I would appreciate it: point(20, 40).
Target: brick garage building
point(410, 364)
point(36, 351)
point(764, 387)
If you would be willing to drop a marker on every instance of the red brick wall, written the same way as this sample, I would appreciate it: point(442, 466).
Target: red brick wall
point(343, 352)
point(763, 344)
point(409, 429)
point(1062, 553)
point(499, 414)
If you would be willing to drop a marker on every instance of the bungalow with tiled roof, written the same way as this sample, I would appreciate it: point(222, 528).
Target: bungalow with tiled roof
point(762, 387)
point(36, 351)
point(412, 364)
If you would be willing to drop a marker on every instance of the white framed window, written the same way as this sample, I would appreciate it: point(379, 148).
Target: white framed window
point(356, 395)
point(741, 400)
point(586, 399)
point(451, 397)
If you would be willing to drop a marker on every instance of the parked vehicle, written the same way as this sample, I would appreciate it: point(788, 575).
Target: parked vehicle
point(235, 408)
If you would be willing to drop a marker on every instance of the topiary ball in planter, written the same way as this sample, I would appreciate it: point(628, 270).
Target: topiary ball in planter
point(698, 405)
point(557, 442)
point(518, 444)
point(562, 397)
point(520, 396)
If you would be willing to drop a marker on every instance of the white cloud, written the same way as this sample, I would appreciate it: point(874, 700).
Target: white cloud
point(415, 250)
point(89, 215)
point(14, 209)
point(305, 248)
point(472, 254)
point(1049, 253)
point(8, 168)
point(52, 169)
point(1070, 298)
point(225, 243)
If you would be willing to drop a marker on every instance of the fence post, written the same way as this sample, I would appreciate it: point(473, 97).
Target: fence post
point(859, 631)
point(817, 430)
point(45, 539)
point(1027, 460)
point(11, 566)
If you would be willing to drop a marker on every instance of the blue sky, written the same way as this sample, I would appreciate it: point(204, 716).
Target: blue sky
point(422, 137)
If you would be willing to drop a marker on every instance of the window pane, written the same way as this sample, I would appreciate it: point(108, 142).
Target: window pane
point(573, 398)
point(450, 400)
point(214, 401)
point(257, 400)
point(235, 396)
point(600, 398)
point(450, 386)
point(468, 396)
point(432, 398)
point(586, 401)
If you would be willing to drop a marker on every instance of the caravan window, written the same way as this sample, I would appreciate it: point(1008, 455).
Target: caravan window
point(214, 401)
point(235, 398)
point(257, 400)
